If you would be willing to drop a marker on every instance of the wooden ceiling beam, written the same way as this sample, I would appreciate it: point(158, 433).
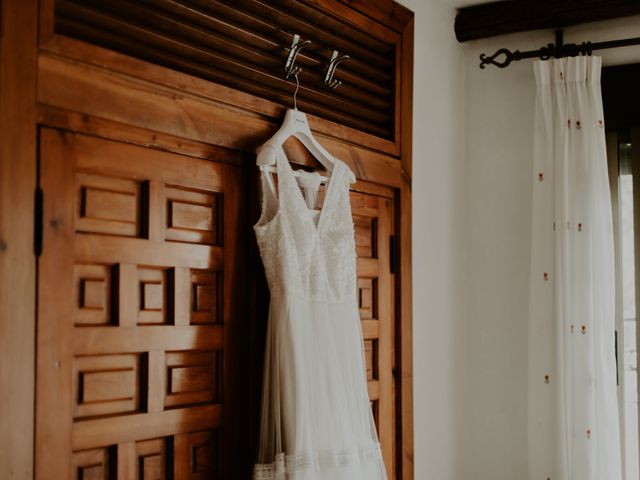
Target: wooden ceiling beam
point(510, 16)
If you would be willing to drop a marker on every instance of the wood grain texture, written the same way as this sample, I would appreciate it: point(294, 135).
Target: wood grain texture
point(157, 381)
point(124, 132)
point(404, 284)
point(128, 100)
point(46, 20)
point(93, 433)
point(117, 62)
point(126, 459)
point(55, 332)
point(108, 129)
point(234, 358)
point(509, 16)
point(385, 315)
point(18, 23)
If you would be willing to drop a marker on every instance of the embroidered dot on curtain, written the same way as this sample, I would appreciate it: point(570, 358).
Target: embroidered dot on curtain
point(572, 411)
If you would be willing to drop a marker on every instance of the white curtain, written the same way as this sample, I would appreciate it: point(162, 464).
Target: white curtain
point(573, 411)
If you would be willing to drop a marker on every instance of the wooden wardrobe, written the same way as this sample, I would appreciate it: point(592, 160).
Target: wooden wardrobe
point(132, 297)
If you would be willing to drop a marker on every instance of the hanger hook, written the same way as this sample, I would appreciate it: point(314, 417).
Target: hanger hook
point(295, 94)
point(329, 81)
point(290, 67)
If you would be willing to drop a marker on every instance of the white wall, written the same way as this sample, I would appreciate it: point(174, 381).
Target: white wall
point(471, 217)
point(438, 196)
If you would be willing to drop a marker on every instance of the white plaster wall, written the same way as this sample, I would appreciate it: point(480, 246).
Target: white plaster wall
point(438, 253)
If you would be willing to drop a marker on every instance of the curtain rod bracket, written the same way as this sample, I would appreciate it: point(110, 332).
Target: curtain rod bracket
point(555, 50)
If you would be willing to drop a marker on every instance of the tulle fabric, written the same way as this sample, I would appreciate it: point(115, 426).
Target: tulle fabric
point(316, 420)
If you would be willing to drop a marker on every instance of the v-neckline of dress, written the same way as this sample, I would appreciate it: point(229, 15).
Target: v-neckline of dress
point(328, 192)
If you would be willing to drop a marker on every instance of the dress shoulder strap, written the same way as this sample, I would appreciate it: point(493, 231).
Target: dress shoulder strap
point(270, 198)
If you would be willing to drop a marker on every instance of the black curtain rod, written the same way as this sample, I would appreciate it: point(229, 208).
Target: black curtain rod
point(557, 50)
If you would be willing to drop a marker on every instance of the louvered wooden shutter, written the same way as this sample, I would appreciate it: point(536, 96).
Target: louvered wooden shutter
point(244, 43)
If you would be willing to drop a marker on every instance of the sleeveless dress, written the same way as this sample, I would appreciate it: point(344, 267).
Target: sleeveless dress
point(316, 421)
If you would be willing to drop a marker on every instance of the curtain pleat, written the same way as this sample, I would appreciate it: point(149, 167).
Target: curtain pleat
point(572, 412)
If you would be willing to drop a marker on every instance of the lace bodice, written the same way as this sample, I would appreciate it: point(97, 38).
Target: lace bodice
point(315, 261)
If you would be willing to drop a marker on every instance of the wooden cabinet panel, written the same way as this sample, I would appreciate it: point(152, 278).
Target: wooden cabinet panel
point(92, 464)
point(192, 216)
point(106, 384)
point(146, 340)
point(372, 217)
point(130, 276)
point(137, 294)
point(151, 459)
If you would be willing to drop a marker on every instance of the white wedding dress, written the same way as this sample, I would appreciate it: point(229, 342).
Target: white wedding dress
point(317, 422)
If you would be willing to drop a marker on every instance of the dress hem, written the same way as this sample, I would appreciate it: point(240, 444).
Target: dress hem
point(292, 463)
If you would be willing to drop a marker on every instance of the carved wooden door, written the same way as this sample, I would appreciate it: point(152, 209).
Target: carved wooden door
point(137, 302)
point(372, 219)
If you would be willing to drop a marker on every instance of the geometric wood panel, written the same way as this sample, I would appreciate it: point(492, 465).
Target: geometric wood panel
point(93, 287)
point(192, 216)
point(367, 297)
point(134, 330)
point(370, 355)
point(106, 384)
point(376, 413)
point(151, 459)
point(108, 205)
point(92, 464)
point(203, 454)
point(155, 295)
point(192, 378)
point(204, 297)
point(365, 231)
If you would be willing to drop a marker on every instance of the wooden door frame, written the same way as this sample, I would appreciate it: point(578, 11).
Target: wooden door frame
point(18, 52)
point(37, 85)
point(404, 284)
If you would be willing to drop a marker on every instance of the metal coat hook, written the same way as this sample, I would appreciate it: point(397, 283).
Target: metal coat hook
point(329, 81)
point(290, 67)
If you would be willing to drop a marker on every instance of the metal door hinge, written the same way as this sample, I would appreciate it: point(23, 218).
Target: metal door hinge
point(38, 213)
point(392, 253)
